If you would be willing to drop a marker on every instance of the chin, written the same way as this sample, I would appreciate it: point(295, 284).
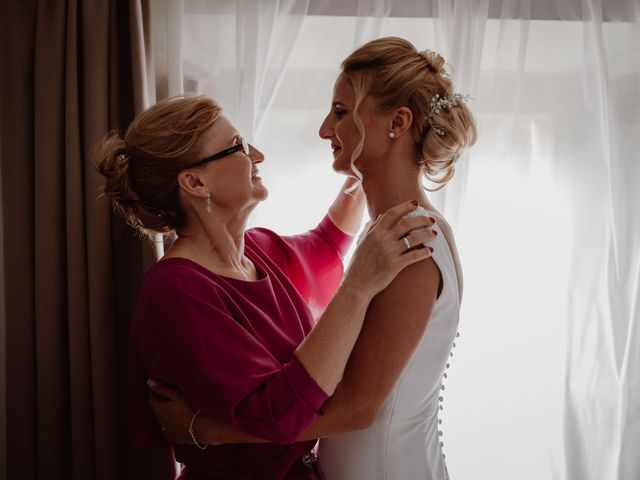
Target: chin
point(342, 166)
point(345, 170)
point(262, 194)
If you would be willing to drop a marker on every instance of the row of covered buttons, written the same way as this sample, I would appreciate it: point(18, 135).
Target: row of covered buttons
point(441, 398)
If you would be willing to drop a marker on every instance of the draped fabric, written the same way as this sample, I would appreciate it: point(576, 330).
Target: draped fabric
point(72, 71)
point(234, 51)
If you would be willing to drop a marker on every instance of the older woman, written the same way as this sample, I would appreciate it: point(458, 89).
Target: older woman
point(382, 422)
point(227, 315)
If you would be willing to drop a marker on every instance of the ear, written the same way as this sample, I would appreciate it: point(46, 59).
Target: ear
point(190, 182)
point(401, 121)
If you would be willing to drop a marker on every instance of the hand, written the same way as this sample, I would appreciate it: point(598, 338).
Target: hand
point(172, 411)
point(174, 415)
point(383, 252)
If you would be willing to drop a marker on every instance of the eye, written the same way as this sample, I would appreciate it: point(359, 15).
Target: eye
point(338, 112)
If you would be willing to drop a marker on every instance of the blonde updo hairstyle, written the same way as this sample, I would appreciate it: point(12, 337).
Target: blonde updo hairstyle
point(141, 169)
point(395, 74)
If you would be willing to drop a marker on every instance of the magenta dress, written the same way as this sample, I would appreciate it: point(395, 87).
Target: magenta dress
point(228, 345)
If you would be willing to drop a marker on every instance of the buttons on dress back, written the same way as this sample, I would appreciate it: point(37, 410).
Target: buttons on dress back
point(440, 407)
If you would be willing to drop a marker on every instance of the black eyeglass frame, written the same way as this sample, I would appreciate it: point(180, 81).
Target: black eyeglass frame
point(243, 145)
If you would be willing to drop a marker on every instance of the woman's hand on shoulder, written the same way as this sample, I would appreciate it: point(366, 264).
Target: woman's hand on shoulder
point(387, 247)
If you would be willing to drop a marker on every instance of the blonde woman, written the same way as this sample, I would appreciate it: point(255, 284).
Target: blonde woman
point(394, 119)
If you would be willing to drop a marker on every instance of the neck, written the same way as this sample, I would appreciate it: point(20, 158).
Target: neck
point(396, 182)
point(215, 240)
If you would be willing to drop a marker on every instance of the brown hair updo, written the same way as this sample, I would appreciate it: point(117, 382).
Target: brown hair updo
point(141, 169)
point(395, 74)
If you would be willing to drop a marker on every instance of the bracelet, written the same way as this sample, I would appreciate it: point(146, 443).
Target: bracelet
point(193, 437)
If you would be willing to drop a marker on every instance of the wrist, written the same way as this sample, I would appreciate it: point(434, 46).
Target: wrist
point(355, 291)
point(202, 432)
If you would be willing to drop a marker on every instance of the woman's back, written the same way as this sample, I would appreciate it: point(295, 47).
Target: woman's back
point(404, 440)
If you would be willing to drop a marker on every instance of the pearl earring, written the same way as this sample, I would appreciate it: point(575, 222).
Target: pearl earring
point(209, 206)
point(392, 135)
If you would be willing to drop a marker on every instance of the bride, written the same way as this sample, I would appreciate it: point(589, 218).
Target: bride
point(394, 119)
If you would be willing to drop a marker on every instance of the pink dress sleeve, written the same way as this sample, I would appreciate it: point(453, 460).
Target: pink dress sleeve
point(190, 339)
point(312, 260)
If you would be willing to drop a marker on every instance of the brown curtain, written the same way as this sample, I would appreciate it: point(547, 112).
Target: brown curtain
point(71, 71)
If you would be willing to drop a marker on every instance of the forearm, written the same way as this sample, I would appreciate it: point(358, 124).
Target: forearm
point(325, 351)
point(347, 209)
point(339, 415)
point(214, 433)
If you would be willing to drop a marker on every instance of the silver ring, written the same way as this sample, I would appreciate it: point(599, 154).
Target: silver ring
point(407, 242)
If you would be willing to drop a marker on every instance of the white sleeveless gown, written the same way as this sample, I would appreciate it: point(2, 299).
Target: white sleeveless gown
point(404, 442)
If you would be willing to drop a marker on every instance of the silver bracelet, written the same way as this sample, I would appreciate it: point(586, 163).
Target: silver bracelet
point(193, 437)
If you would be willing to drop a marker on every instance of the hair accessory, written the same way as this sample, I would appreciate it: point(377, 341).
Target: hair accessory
point(122, 159)
point(209, 206)
point(438, 102)
point(193, 437)
point(392, 135)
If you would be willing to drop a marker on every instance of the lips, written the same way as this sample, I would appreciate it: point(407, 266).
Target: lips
point(335, 147)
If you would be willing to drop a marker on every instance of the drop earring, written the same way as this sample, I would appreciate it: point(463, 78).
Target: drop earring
point(209, 205)
point(392, 135)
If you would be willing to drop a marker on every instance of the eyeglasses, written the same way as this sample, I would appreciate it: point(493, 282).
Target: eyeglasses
point(243, 145)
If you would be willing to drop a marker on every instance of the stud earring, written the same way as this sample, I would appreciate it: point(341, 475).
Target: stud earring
point(209, 206)
point(392, 135)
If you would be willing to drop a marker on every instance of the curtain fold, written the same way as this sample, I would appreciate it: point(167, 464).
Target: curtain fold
point(72, 269)
point(249, 47)
point(602, 405)
point(17, 160)
point(370, 19)
point(264, 32)
point(459, 38)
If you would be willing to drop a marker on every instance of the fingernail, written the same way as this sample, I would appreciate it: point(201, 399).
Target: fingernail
point(414, 203)
point(435, 234)
point(151, 383)
point(433, 220)
point(431, 249)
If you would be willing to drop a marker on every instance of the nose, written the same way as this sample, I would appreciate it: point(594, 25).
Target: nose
point(326, 129)
point(255, 154)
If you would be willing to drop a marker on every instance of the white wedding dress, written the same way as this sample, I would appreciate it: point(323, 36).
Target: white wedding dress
point(404, 442)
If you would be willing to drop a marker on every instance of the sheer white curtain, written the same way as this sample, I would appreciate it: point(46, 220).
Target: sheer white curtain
point(545, 382)
point(235, 51)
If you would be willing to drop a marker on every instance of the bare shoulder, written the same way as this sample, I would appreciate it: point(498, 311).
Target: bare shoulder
point(411, 294)
point(418, 279)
